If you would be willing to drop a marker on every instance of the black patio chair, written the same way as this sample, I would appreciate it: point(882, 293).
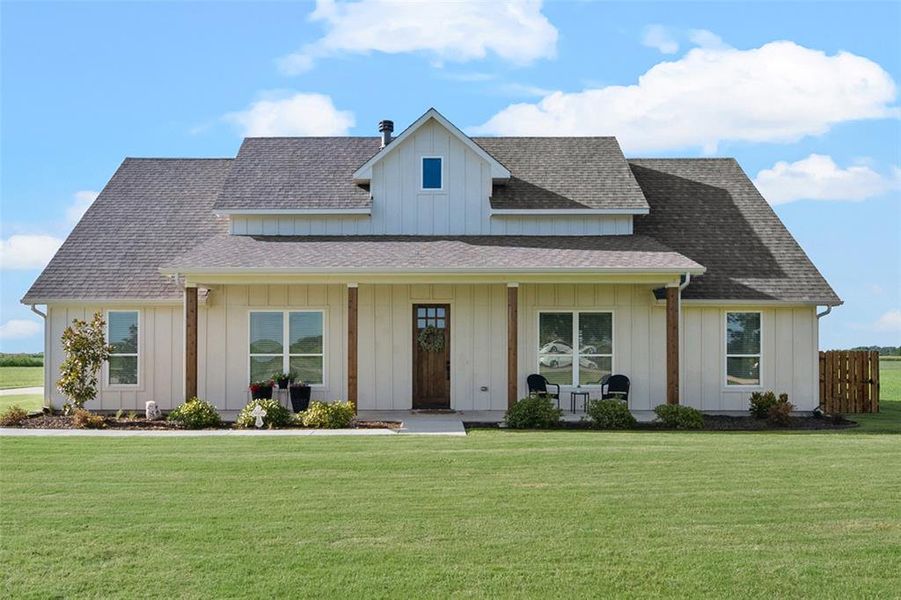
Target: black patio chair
point(538, 385)
point(615, 386)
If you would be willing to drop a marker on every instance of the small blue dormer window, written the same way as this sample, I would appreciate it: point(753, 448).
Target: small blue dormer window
point(431, 173)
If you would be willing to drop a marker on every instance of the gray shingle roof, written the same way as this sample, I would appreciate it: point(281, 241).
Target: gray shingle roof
point(150, 211)
point(708, 210)
point(371, 253)
point(564, 173)
point(316, 173)
point(297, 173)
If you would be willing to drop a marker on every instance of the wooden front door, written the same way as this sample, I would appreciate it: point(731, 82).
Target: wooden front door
point(431, 367)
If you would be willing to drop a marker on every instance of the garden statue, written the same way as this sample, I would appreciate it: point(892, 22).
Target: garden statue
point(259, 413)
point(152, 412)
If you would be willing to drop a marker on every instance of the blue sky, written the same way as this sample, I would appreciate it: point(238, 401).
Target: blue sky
point(802, 94)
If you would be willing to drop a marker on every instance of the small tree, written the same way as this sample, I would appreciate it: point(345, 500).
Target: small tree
point(86, 350)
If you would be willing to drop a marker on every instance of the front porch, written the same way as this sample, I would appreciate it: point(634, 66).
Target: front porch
point(366, 346)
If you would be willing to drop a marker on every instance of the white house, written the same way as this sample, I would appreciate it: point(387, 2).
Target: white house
point(330, 256)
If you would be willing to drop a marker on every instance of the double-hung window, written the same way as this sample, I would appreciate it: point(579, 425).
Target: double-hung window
point(743, 348)
point(575, 348)
point(287, 341)
point(432, 173)
point(122, 336)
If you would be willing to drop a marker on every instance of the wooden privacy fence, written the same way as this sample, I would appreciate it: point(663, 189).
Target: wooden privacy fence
point(849, 381)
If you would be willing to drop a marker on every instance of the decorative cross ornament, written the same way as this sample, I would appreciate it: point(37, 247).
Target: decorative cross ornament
point(152, 412)
point(259, 413)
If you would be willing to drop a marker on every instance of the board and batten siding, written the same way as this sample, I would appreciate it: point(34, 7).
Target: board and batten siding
point(478, 344)
point(160, 356)
point(223, 338)
point(401, 207)
point(789, 363)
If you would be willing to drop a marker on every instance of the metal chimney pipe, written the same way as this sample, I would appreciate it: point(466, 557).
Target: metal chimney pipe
point(386, 128)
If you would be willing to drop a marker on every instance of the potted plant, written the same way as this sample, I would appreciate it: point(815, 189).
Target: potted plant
point(261, 390)
point(283, 380)
point(300, 396)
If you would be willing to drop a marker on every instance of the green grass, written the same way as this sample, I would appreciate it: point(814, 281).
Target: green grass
point(560, 514)
point(29, 402)
point(890, 379)
point(19, 377)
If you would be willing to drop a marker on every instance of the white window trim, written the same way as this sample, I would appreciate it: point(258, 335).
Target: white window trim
point(576, 355)
point(286, 355)
point(422, 187)
point(726, 356)
point(106, 373)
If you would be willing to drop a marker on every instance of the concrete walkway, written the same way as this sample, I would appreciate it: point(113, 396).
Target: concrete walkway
point(420, 422)
point(18, 391)
point(15, 432)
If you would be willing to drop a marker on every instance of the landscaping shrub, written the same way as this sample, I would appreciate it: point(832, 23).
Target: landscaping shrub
point(780, 412)
point(85, 419)
point(327, 415)
point(86, 351)
point(610, 414)
point(195, 414)
point(676, 416)
point(533, 412)
point(276, 414)
point(760, 404)
point(13, 416)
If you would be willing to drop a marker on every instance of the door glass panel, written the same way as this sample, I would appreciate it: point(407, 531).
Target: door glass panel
point(441, 312)
point(440, 324)
point(420, 312)
point(420, 323)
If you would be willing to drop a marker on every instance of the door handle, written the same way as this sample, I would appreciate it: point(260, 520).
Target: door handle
point(448, 370)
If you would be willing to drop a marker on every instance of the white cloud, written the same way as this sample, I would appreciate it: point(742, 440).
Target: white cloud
point(890, 321)
point(23, 251)
point(707, 39)
point(299, 114)
point(657, 36)
point(779, 92)
point(515, 31)
point(817, 177)
point(17, 329)
point(82, 203)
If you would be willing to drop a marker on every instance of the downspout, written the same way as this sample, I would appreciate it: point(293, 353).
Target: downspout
point(828, 310)
point(819, 409)
point(46, 357)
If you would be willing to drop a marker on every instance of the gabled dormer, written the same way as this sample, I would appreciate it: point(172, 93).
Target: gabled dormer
point(432, 179)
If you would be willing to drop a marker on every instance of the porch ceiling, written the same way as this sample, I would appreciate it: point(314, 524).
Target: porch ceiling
point(500, 258)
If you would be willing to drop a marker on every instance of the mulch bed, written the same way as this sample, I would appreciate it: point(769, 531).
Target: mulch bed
point(713, 423)
point(44, 421)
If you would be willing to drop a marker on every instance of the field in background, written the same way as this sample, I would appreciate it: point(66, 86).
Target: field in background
point(20, 377)
point(30, 402)
point(890, 378)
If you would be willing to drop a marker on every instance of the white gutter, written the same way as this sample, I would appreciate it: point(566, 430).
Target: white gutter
point(46, 367)
point(685, 284)
point(427, 270)
point(37, 312)
point(536, 212)
point(828, 310)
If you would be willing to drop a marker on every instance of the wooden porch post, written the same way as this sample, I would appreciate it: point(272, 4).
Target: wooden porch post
point(352, 344)
point(190, 342)
point(672, 345)
point(512, 342)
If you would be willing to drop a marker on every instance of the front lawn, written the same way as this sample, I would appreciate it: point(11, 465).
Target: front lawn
point(20, 377)
point(497, 513)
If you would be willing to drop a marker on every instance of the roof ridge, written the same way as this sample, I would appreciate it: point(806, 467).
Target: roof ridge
point(179, 158)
